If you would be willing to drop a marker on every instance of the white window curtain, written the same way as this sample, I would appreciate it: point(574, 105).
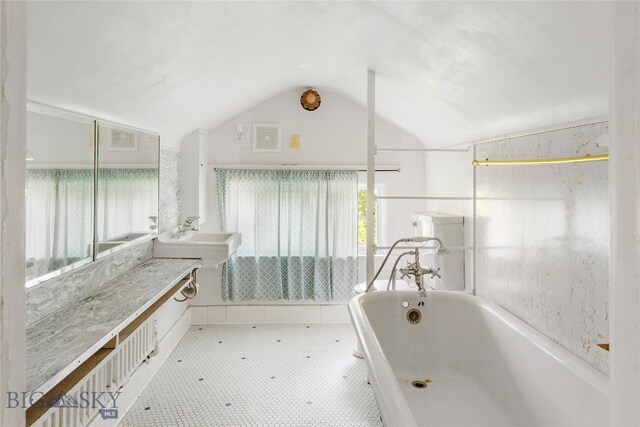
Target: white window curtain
point(127, 198)
point(299, 234)
point(59, 219)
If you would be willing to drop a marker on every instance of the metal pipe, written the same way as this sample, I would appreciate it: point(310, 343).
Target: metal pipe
point(422, 198)
point(537, 131)
point(465, 146)
point(474, 227)
point(284, 166)
point(451, 248)
point(371, 165)
point(395, 265)
point(558, 160)
point(384, 261)
point(429, 150)
point(441, 250)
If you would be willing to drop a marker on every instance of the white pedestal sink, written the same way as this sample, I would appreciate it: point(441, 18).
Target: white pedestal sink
point(212, 248)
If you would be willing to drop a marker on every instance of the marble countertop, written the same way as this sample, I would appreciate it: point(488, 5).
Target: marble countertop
point(60, 342)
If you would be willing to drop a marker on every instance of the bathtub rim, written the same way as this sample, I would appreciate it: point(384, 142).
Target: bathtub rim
point(391, 400)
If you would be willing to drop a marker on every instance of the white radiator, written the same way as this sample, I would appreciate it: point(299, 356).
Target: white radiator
point(77, 408)
point(130, 353)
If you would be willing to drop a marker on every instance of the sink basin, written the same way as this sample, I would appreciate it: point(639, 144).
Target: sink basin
point(212, 248)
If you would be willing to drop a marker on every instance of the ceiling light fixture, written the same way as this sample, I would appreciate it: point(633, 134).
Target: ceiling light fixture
point(310, 100)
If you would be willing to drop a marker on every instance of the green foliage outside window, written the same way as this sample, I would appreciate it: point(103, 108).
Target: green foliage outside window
point(362, 218)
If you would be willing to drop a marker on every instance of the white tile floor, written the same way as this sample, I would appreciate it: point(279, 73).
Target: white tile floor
point(266, 375)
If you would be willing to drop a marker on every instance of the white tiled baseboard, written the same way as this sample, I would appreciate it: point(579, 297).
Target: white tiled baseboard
point(220, 314)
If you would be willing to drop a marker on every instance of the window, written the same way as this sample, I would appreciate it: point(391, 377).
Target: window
point(298, 234)
point(378, 217)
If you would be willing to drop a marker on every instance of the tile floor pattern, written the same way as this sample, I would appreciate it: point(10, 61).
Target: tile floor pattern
point(259, 375)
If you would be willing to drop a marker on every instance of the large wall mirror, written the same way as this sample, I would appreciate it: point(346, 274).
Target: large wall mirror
point(127, 204)
point(59, 192)
point(91, 189)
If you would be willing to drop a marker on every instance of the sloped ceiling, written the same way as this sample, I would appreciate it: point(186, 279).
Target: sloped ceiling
point(447, 72)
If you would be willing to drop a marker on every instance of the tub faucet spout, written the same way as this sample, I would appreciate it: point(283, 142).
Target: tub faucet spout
point(416, 270)
point(430, 272)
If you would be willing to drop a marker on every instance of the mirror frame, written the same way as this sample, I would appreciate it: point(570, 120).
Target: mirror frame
point(48, 110)
point(40, 108)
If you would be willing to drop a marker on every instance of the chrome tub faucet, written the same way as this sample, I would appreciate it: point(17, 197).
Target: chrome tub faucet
point(413, 269)
point(417, 271)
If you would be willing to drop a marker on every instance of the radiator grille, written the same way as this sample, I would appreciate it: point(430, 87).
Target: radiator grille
point(109, 375)
point(132, 352)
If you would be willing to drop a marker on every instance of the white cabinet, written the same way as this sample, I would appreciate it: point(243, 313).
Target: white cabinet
point(193, 175)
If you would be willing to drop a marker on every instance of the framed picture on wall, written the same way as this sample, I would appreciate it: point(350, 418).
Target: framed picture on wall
point(266, 137)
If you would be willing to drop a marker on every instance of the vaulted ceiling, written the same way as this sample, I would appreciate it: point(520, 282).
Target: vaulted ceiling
point(447, 72)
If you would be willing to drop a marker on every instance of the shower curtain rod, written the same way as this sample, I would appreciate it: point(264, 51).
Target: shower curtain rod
point(558, 160)
point(358, 168)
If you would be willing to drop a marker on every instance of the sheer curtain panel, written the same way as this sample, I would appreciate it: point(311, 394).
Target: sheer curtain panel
point(299, 234)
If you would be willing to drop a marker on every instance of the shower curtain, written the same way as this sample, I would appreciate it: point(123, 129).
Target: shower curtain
point(299, 234)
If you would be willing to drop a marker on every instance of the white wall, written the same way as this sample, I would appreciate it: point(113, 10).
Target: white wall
point(61, 139)
point(13, 38)
point(450, 174)
point(543, 237)
point(542, 232)
point(146, 152)
point(54, 140)
point(624, 168)
point(334, 134)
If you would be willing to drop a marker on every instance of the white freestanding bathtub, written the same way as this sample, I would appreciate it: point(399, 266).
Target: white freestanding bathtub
point(478, 364)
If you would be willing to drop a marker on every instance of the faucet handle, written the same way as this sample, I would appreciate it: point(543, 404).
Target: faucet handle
point(188, 221)
point(432, 272)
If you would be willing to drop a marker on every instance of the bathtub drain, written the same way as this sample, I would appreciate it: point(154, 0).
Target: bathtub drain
point(414, 316)
point(419, 384)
